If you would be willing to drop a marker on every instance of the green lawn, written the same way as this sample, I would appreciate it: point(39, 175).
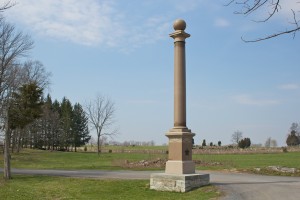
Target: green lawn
point(44, 187)
point(250, 161)
point(39, 159)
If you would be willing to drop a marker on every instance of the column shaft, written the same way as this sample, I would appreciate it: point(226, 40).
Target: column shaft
point(179, 85)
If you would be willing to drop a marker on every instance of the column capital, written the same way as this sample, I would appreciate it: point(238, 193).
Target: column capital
point(179, 35)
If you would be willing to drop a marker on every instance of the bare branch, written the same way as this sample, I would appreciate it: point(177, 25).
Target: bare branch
point(273, 35)
point(7, 5)
point(250, 6)
point(34, 71)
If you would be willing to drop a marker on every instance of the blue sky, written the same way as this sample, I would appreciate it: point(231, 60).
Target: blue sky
point(121, 49)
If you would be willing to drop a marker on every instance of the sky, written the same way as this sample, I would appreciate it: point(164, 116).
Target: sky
point(122, 50)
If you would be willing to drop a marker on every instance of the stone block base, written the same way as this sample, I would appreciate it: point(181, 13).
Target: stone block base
point(177, 183)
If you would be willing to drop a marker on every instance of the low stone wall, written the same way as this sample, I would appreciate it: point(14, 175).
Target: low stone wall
point(210, 150)
point(234, 150)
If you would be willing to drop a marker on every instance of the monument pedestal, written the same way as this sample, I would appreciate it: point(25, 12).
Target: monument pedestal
point(177, 182)
point(180, 173)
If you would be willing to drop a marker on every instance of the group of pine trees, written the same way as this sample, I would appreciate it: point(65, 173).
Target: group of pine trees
point(293, 139)
point(48, 124)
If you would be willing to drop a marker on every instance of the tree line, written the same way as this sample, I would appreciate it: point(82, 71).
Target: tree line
point(59, 126)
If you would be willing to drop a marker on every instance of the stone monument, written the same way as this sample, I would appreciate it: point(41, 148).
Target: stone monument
point(180, 173)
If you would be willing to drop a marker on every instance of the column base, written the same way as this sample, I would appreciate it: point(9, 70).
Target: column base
point(177, 183)
point(180, 167)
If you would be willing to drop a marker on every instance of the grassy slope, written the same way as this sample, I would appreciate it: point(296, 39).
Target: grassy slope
point(43, 187)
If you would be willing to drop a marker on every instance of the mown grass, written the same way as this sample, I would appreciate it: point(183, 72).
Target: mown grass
point(249, 161)
point(58, 188)
point(39, 159)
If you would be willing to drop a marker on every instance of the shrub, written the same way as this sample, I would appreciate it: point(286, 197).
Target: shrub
point(284, 150)
point(244, 143)
point(85, 149)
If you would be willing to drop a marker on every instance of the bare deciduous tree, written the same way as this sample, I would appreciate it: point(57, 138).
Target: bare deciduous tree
point(236, 137)
point(272, 7)
point(35, 72)
point(101, 117)
point(268, 142)
point(273, 143)
point(13, 45)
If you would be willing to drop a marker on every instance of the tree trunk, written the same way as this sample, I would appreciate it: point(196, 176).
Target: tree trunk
point(19, 140)
point(98, 145)
point(7, 172)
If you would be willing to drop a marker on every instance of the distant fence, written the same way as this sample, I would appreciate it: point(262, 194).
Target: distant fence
point(234, 150)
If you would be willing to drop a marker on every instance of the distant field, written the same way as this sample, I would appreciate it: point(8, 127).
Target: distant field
point(48, 188)
point(39, 159)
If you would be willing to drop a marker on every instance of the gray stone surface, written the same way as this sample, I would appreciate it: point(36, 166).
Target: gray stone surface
point(177, 183)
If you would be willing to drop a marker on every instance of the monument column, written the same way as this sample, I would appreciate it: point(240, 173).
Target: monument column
point(179, 74)
point(180, 137)
point(180, 173)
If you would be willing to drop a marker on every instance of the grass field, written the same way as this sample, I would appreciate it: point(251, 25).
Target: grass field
point(250, 161)
point(38, 159)
point(44, 187)
point(58, 188)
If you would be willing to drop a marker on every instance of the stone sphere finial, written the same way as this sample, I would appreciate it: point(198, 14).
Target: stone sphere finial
point(179, 24)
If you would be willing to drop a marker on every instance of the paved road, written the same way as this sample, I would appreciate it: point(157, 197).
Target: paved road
point(234, 185)
point(256, 187)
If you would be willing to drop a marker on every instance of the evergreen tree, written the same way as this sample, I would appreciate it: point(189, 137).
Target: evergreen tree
point(204, 143)
point(66, 122)
point(80, 131)
point(25, 106)
point(292, 139)
point(56, 124)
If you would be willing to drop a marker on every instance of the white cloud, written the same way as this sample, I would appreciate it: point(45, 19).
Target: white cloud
point(221, 22)
point(245, 99)
point(290, 86)
point(85, 22)
point(89, 22)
